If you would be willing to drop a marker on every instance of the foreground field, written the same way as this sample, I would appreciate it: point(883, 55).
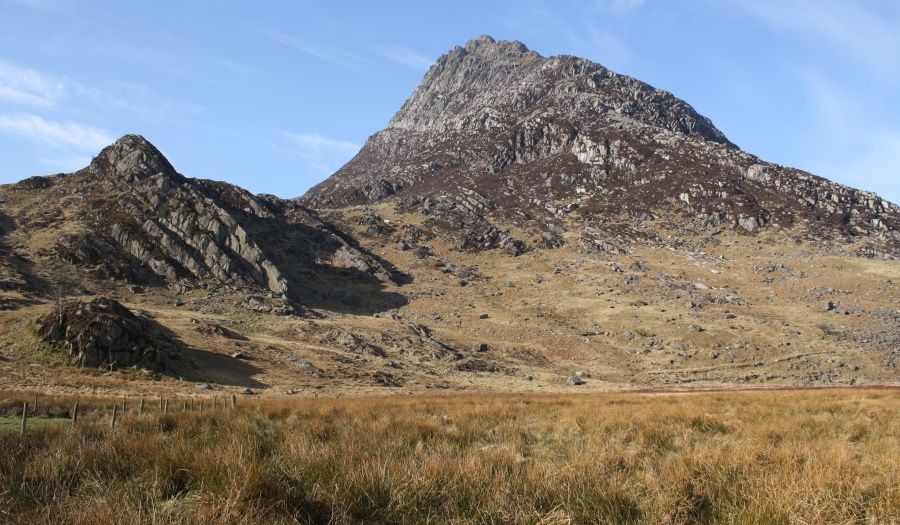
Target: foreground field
point(752, 457)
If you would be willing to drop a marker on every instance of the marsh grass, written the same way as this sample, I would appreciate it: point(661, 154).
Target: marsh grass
point(756, 458)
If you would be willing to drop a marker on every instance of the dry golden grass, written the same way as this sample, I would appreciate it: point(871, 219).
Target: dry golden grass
point(754, 457)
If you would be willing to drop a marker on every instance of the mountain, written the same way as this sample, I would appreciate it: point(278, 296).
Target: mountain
point(131, 217)
point(498, 133)
point(523, 224)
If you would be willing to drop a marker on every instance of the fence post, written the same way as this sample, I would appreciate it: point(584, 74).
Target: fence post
point(201, 406)
point(112, 421)
point(75, 412)
point(24, 417)
point(233, 401)
point(141, 407)
point(166, 407)
point(124, 405)
point(34, 408)
point(160, 403)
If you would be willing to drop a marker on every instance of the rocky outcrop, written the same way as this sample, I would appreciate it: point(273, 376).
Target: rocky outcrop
point(102, 332)
point(138, 220)
point(464, 218)
point(546, 138)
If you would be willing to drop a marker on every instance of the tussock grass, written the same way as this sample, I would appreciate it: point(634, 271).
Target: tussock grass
point(753, 457)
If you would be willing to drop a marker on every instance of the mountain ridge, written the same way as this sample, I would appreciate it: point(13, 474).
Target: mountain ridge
point(532, 136)
point(136, 218)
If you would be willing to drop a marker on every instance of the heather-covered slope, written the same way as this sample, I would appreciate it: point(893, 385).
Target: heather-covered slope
point(498, 137)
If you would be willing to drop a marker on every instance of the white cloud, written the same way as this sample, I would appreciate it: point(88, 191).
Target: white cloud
point(239, 69)
point(588, 36)
point(871, 38)
point(875, 166)
point(405, 56)
point(338, 57)
point(322, 154)
point(67, 164)
point(41, 5)
point(23, 86)
point(619, 6)
point(56, 133)
point(858, 147)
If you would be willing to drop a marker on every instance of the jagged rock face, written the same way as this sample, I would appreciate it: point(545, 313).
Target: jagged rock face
point(545, 141)
point(102, 332)
point(136, 219)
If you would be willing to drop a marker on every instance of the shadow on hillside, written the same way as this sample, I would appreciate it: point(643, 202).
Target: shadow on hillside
point(344, 290)
point(18, 273)
point(211, 367)
point(301, 252)
point(193, 364)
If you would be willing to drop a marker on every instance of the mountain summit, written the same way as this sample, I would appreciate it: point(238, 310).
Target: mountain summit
point(499, 136)
point(458, 91)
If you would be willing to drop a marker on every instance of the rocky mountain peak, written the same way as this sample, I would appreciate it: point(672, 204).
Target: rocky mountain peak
point(132, 158)
point(496, 134)
point(488, 46)
point(472, 86)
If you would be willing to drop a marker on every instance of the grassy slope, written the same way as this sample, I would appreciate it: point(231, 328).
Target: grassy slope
point(760, 457)
point(715, 311)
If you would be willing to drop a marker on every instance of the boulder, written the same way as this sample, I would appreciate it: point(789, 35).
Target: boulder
point(102, 332)
point(575, 379)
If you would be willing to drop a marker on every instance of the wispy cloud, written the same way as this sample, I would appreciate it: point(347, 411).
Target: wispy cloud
point(322, 154)
point(239, 69)
point(67, 164)
point(30, 90)
point(587, 37)
point(859, 147)
point(619, 6)
point(338, 57)
point(24, 86)
point(56, 133)
point(866, 35)
point(405, 56)
point(41, 5)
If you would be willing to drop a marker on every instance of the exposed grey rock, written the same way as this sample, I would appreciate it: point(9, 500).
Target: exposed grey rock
point(387, 379)
point(496, 135)
point(102, 332)
point(575, 380)
point(150, 225)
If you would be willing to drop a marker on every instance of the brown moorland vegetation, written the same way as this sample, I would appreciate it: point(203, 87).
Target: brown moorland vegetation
point(815, 456)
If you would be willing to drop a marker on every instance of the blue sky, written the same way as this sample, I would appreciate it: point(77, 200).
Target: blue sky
point(274, 96)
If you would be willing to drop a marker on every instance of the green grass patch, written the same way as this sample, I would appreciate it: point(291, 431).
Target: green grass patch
point(12, 423)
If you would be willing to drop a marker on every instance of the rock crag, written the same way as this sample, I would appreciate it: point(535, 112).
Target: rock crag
point(103, 333)
point(130, 216)
point(498, 134)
